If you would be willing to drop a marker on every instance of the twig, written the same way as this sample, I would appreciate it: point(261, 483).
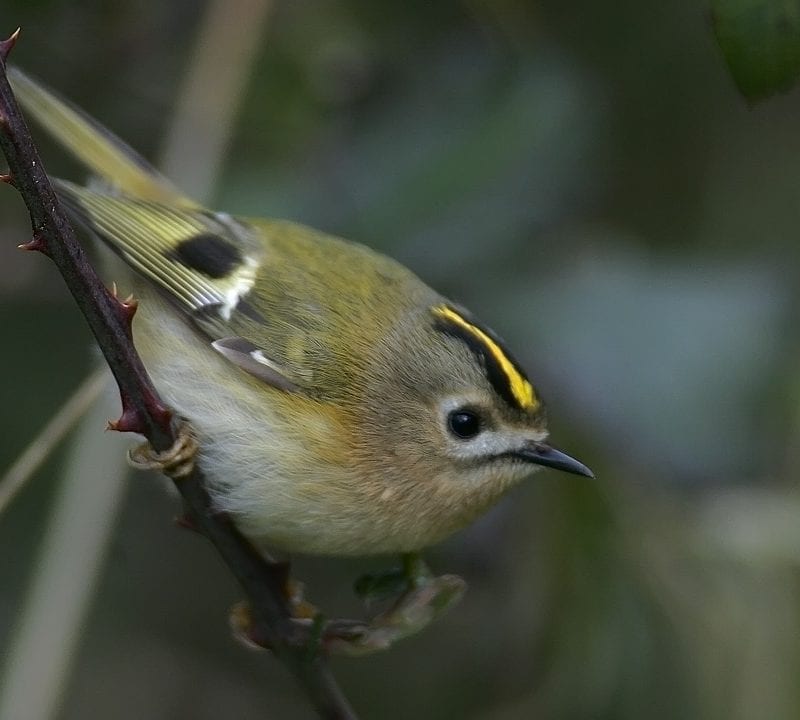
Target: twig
point(144, 412)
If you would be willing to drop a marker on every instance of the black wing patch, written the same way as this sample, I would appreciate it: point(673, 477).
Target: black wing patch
point(210, 254)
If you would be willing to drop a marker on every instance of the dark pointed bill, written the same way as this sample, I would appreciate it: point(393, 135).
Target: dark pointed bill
point(541, 454)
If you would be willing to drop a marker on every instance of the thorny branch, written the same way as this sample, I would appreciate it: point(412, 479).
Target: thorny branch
point(144, 412)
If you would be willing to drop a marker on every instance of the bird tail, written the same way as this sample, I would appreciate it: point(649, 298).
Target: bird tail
point(104, 154)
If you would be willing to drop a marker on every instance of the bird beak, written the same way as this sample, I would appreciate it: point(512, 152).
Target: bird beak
point(541, 454)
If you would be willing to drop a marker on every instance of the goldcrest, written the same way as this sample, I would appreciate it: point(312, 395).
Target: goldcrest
point(341, 405)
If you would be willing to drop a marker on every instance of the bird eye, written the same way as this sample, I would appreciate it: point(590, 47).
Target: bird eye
point(464, 424)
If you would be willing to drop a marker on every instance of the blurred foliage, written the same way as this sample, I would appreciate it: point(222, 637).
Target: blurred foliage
point(761, 43)
point(585, 177)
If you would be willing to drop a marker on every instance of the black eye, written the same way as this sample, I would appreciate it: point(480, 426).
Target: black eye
point(464, 424)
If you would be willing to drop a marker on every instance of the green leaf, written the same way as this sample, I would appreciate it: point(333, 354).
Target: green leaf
point(760, 40)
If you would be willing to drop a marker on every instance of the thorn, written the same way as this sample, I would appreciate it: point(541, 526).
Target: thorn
point(130, 303)
point(36, 243)
point(129, 306)
point(6, 46)
point(129, 421)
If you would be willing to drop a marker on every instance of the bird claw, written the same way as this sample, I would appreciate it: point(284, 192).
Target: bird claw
point(246, 630)
point(176, 463)
point(421, 597)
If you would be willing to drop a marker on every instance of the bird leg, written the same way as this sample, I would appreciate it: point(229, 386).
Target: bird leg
point(422, 598)
point(419, 598)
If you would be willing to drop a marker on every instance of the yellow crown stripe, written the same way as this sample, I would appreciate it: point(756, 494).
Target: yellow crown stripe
point(521, 389)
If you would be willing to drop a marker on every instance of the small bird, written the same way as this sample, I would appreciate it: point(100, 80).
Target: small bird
point(341, 406)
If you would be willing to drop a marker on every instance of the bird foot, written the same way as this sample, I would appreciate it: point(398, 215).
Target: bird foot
point(420, 598)
point(246, 630)
point(413, 611)
point(176, 463)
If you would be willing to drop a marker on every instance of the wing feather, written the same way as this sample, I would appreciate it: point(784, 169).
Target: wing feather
point(94, 145)
point(149, 237)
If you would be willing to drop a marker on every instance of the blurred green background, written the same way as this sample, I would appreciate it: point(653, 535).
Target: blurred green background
point(586, 178)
